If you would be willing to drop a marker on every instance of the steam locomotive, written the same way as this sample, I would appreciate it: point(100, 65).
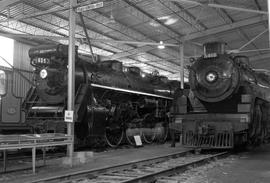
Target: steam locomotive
point(227, 104)
point(111, 103)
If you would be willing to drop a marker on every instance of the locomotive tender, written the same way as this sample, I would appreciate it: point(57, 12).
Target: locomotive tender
point(227, 104)
point(110, 104)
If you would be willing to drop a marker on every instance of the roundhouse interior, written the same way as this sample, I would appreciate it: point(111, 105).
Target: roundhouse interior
point(161, 73)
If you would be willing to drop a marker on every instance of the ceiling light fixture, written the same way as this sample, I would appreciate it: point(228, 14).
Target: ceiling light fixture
point(161, 45)
point(111, 19)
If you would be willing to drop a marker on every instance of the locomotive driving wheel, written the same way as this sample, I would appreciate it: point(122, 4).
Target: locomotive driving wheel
point(133, 129)
point(148, 129)
point(162, 131)
point(114, 135)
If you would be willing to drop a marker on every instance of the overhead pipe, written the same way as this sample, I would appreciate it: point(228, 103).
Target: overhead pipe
point(236, 8)
point(222, 6)
point(87, 37)
point(253, 39)
point(27, 36)
point(247, 51)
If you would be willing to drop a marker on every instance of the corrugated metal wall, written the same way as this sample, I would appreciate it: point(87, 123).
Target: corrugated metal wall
point(21, 61)
point(21, 85)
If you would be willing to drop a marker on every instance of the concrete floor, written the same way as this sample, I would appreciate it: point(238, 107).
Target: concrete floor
point(99, 160)
point(250, 167)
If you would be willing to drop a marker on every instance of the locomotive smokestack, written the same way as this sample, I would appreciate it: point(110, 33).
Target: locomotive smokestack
point(213, 49)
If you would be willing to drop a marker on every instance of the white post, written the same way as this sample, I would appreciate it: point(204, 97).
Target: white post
point(181, 48)
point(268, 2)
point(71, 74)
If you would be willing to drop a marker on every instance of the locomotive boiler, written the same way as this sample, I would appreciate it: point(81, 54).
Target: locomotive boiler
point(227, 104)
point(111, 103)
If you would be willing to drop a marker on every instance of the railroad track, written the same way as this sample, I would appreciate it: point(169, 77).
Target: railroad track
point(148, 170)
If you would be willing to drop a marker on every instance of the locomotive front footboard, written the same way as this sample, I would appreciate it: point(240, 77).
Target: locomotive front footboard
point(213, 130)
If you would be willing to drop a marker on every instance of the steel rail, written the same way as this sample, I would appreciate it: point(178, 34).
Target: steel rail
point(109, 172)
point(68, 177)
point(151, 177)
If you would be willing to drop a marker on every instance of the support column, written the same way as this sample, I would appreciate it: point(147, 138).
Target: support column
point(5, 160)
point(268, 3)
point(34, 158)
point(181, 49)
point(71, 74)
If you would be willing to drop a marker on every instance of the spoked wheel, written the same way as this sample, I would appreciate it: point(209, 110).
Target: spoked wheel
point(114, 136)
point(148, 130)
point(148, 135)
point(161, 131)
point(131, 132)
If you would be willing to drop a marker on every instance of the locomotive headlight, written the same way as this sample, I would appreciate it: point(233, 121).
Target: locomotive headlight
point(211, 77)
point(43, 73)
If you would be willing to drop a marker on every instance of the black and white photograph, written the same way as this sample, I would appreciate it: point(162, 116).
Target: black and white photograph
point(134, 91)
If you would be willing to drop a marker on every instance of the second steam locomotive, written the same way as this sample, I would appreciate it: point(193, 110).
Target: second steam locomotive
point(111, 104)
point(227, 104)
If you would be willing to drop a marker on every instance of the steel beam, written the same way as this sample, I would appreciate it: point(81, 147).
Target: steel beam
point(227, 27)
point(148, 17)
point(184, 15)
point(253, 39)
point(264, 64)
point(236, 8)
point(16, 25)
point(33, 15)
point(118, 25)
point(257, 58)
point(5, 3)
point(223, 13)
point(258, 5)
point(213, 5)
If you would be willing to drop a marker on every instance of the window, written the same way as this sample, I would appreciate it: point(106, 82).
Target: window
point(6, 51)
point(2, 83)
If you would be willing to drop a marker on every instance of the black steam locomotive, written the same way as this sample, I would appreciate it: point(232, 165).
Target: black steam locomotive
point(110, 103)
point(227, 104)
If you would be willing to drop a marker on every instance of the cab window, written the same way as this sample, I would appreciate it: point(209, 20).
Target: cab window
point(3, 83)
